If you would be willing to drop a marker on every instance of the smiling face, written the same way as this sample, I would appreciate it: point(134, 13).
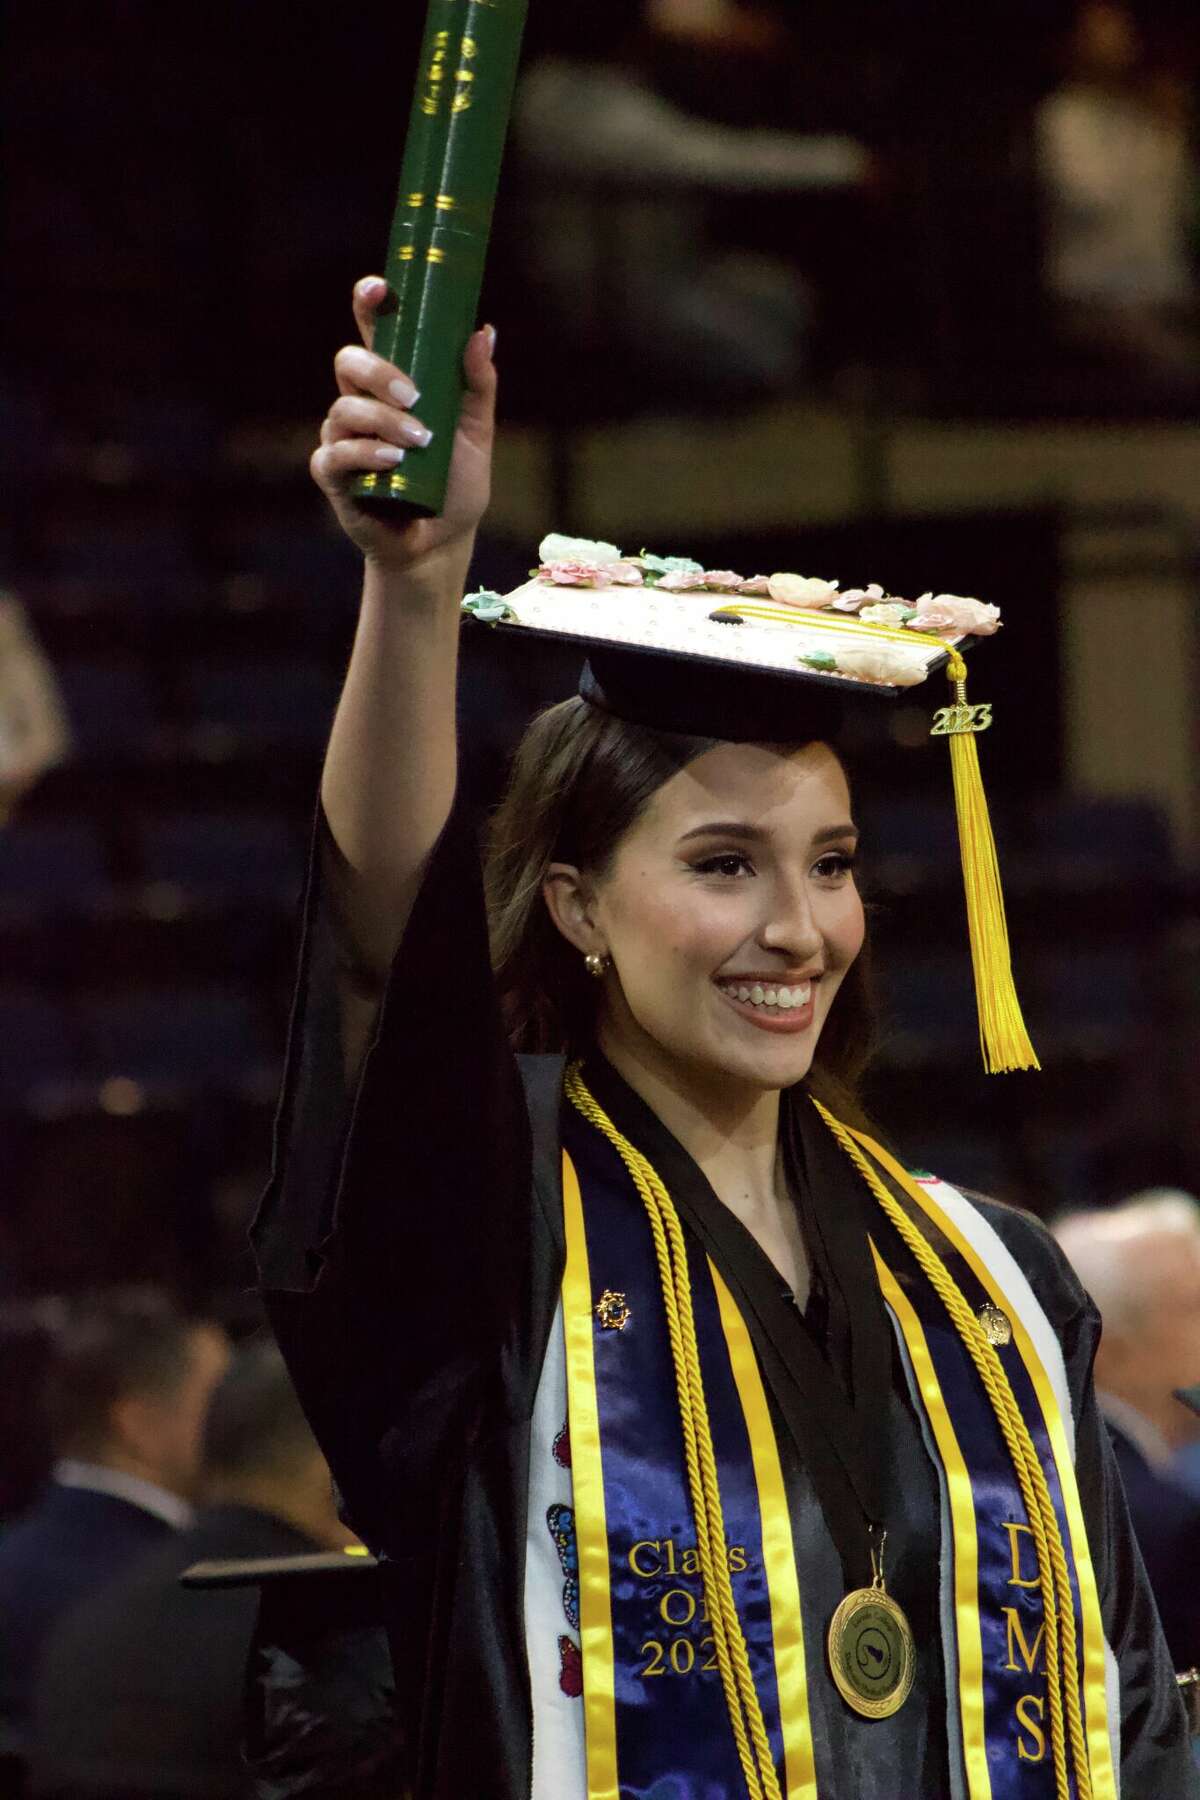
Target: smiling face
point(730, 916)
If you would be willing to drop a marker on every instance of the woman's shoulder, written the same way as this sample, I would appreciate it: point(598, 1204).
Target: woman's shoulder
point(1036, 1252)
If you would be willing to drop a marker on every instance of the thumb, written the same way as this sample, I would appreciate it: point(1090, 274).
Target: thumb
point(478, 417)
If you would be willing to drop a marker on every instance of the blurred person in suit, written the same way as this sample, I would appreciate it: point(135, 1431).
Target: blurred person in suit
point(127, 1390)
point(1140, 1262)
point(141, 1690)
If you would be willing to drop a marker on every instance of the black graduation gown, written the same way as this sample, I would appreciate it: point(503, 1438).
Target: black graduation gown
point(410, 1249)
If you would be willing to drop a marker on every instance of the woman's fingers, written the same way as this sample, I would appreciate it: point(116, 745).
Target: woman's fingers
point(332, 465)
point(356, 416)
point(369, 295)
point(360, 371)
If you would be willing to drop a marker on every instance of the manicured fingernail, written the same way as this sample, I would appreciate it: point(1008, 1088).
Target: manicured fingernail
point(404, 392)
point(489, 332)
point(389, 453)
point(416, 433)
point(371, 288)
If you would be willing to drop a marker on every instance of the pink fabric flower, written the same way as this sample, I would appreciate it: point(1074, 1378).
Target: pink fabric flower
point(623, 573)
point(682, 581)
point(724, 581)
point(952, 613)
point(575, 574)
point(757, 584)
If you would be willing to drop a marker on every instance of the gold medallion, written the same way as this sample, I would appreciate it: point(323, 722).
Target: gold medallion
point(997, 1326)
point(872, 1656)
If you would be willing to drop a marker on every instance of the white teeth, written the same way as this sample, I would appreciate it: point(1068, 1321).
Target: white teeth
point(784, 997)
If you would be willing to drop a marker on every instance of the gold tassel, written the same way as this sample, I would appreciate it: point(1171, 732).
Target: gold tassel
point(1002, 1034)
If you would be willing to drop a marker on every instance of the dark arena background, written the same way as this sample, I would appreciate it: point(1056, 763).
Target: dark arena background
point(887, 368)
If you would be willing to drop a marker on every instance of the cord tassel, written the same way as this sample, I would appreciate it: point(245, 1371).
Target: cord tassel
point(1002, 1035)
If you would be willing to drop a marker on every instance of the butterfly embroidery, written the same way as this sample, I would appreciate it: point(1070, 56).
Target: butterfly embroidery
point(561, 1520)
point(561, 1448)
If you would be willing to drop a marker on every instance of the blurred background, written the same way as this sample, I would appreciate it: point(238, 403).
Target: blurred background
point(872, 293)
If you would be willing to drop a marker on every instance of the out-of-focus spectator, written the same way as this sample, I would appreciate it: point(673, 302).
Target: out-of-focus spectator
point(28, 1330)
point(141, 1689)
point(619, 237)
point(126, 1393)
point(33, 726)
point(1118, 179)
point(1141, 1264)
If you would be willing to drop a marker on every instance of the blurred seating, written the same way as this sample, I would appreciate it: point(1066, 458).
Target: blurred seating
point(171, 1039)
point(260, 703)
point(211, 859)
point(1088, 1001)
point(52, 867)
point(928, 1008)
point(1085, 843)
point(110, 707)
point(40, 1048)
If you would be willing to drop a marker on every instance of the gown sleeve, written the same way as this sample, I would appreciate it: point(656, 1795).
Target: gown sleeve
point(393, 1239)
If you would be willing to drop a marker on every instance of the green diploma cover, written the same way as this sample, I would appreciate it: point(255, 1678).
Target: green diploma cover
point(443, 217)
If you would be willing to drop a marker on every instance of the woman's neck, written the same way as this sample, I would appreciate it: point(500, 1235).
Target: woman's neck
point(731, 1134)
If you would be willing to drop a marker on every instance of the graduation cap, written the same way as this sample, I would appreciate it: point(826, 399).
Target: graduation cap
point(301, 1597)
point(778, 658)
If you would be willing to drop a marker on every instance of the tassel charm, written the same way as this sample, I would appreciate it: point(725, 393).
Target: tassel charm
point(1002, 1035)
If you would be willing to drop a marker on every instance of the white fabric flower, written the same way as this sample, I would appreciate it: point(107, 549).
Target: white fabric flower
point(894, 664)
point(886, 612)
point(802, 590)
point(853, 598)
point(941, 613)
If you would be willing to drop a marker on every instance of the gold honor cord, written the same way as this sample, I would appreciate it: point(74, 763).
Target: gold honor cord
point(741, 1696)
point(1058, 1604)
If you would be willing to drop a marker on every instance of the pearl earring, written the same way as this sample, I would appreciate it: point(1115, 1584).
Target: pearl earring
point(596, 966)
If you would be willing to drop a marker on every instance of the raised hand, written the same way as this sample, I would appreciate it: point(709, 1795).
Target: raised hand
point(372, 426)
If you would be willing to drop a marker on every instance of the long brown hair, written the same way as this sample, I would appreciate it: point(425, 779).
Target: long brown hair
point(580, 779)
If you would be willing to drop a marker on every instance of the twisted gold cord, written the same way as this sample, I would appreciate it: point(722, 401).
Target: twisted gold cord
point(729, 1642)
point(1058, 1604)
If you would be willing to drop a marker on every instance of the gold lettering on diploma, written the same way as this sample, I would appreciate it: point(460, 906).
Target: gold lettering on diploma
point(435, 79)
point(438, 74)
point(655, 1559)
point(1030, 1709)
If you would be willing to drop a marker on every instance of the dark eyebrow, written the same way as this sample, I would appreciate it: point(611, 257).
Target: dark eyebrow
point(738, 828)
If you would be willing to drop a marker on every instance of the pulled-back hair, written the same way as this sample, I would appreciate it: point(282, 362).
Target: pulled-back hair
point(580, 780)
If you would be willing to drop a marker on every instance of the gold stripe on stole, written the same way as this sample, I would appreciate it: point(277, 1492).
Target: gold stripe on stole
point(1095, 1696)
point(963, 1529)
point(779, 1556)
point(591, 1526)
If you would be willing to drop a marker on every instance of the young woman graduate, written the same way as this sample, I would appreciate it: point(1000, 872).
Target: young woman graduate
point(708, 1452)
